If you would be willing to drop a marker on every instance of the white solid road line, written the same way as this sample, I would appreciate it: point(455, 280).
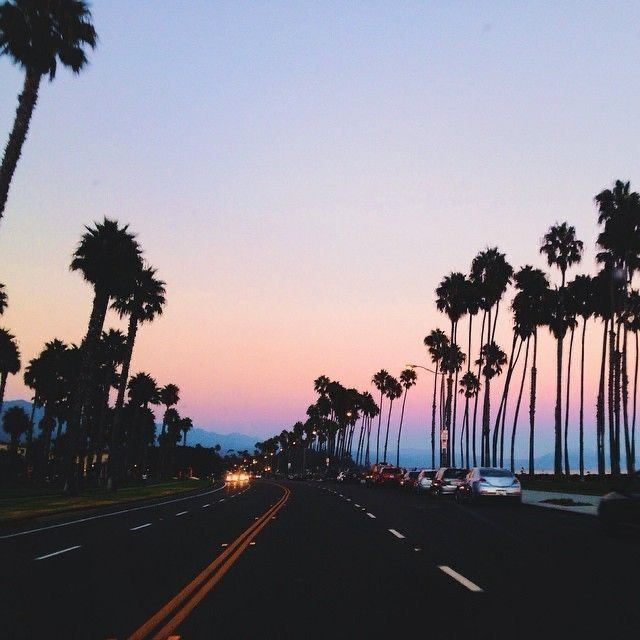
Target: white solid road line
point(397, 534)
point(108, 515)
point(142, 526)
point(370, 515)
point(181, 513)
point(461, 579)
point(57, 553)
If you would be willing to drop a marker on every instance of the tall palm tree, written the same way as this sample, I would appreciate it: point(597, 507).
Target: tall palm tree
point(9, 360)
point(561, 248)
point(528, 306)
point(393, 390)
point(141, 304)
point(469, 388)
point(436, 343)
point(169, 397)
point(581, 291)
point(452, 363)
point(633, 325)
point(408, 379)
point(4, 300)
point(142, 391)
point(37, 35)
point(15, 422)
point(109, 258)
point(492, 359)
point(451, 299)
point(379, 381)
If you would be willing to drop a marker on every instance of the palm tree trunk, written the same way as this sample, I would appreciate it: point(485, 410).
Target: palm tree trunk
point(114, 452)
point(3, 386)
point(616, 398)
point(475, 402)
point(26, 104)
point(486, 418)
point(453, 426)
point(567, 470)
point(433, 417)
point(30, 431)
point(378, 434)
point(400, 428)
point(600, 404)
point(85, 384)
point(386, 438)
point(517, 411)
point(610, 398)
point(557, 457)
point(504, 411)
point(503, 399)
point(367, 458)
point(581, 426)
point(532, 402)
point(625, 406)
point(635, 397)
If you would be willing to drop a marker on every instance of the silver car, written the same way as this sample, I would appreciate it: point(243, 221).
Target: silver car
point(425, 478)
point(446, 481)
point(490, 482)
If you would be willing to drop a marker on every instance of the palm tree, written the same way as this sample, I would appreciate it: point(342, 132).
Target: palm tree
point(469, 387)
point(169, 397)
point(452, 363)
point(561, 248)
point(142, 304)
point(633, 325)
point(143, 391)
point(379, 380)
point(15, 422)
point(581, 292)
point(186, 424)
point(408, 379)
point(4, 300)
point(109, 258)
point(392, 390)
point(36, 35)
point(436, 342)
point(452, 300)
point(370, 410)
point(9, 360)
point(492, 359)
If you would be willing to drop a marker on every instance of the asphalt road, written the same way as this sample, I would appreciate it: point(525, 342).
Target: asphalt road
point(319, 560)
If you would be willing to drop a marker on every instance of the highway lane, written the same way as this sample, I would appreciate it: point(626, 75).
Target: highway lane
point(117, 571)
point(334, 562)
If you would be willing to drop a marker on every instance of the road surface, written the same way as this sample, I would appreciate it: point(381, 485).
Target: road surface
point(318, 560)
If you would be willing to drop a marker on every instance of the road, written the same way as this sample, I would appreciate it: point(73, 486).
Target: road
point(318, 560)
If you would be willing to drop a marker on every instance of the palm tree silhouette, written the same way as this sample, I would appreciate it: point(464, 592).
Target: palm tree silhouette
point(408, 378)
point(492, 359)
point(469, 388)
point(15, 422)
point(392, 390)
point(186, 424)
point(436, 343)
point(452, 362)
point(37, 35)
point(379, 380)
point(108, 257)
point(9, 360)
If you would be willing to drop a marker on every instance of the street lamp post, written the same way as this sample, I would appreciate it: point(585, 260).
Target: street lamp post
point(444, 433)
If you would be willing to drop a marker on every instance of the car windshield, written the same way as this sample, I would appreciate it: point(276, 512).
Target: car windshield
point(390, 470)
point(413, 474)
point(496, 473)
point(428, 474)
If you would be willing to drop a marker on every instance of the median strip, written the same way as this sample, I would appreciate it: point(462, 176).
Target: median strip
point(461, 579)
point(172, 614)
point(57, 553)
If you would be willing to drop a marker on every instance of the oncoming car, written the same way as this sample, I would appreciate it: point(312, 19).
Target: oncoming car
point(237, 476)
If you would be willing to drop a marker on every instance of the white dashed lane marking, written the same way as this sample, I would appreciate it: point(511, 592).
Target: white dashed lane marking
point(460, 578)
point(181, 513)
point(397, 534)
point(370, 515)
point(57, 553)
point(140, 526)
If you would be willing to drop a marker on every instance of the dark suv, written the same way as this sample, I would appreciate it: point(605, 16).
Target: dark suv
point(447, 480)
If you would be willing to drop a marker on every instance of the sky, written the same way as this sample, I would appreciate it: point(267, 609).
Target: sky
point(303, 174)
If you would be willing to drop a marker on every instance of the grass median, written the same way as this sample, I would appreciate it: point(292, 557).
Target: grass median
point(14, 506)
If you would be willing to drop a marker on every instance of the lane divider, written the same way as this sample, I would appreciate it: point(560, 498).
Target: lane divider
point(162, 624)
point(57, 553)
point(460, 578)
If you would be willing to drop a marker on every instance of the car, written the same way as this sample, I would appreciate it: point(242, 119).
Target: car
point(425, 479)
point(389, 476)
point(374, 471)
point(409, 479)
point(621, 508)
point(492, 483)
point(350, 477)
point(446, 481)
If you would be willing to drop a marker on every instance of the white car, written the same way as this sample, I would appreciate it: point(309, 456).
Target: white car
point(490, 482)
point(425, 477)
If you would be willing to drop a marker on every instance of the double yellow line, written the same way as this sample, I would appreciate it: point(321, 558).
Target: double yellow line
point(172, 614)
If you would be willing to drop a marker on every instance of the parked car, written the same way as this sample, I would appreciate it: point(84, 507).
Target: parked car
point(409, 479)
point(489, 483)
point(425, 479)
point(374, 471)
point(621, 508)
point(389, 476)
point(446, 481)
point(350, 477)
